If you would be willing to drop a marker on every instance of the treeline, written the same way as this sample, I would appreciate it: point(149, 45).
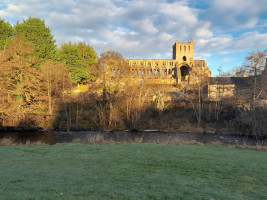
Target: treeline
point(77, 58)
point(38, 88)
point(35, 74)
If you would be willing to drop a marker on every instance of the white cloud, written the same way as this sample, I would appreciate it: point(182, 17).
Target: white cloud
point(165, 37)
point(237, 13)
point(203, 30)
point(179, 12)
point(228, 59)
point(148, 28)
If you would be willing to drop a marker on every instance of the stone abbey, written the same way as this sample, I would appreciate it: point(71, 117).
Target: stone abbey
point(181, 69)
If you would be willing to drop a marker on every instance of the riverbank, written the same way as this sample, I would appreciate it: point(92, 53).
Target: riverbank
point(146, 136)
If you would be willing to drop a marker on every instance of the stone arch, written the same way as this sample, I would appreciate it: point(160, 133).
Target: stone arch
point(156, 72)
point(184, 71)
point(134, 71)
point(149, 71)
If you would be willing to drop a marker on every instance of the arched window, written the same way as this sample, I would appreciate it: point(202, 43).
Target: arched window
point(184, 70)
point(184, 58)
point(156, 72)
point(184, 47)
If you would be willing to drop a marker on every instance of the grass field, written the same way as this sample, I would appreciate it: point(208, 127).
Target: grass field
point(132, 171)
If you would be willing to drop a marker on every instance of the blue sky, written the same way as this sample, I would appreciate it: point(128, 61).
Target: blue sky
point(224, 31)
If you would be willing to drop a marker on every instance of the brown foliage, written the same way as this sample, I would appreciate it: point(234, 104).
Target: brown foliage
point(56, 81)
point(25, 89)
point(19, 80)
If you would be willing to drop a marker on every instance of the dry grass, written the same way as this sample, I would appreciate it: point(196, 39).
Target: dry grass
point(99, 139)
point(178, 141)
point(139, 139)
point(12, 142)
point(257, 147)
point(216, 143)
point(7, 142)
point(96, 139)
point(93, 139)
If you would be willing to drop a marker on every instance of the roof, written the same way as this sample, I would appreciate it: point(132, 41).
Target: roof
point(238, 81)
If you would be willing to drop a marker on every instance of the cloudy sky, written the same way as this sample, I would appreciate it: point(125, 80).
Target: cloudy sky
point(224, 31)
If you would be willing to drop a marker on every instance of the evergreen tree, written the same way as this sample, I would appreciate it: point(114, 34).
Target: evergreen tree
point(78, 59)
point(35, 31)
point(87, 55)
point(5, 34)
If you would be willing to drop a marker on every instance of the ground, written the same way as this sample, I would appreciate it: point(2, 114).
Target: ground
point(149, 136)
point(132, 171)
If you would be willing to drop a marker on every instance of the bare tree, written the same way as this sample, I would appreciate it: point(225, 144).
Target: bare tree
point(56, 80)
point(195, 94)
point(254, 65)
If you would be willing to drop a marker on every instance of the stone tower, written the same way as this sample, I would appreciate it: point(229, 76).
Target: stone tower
point(183, 51)
point(181, 69)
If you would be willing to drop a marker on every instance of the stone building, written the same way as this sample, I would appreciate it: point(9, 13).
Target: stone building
point(220, 88)
point(181, 69)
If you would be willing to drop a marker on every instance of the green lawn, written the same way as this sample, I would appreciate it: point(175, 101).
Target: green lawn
point(132, 171)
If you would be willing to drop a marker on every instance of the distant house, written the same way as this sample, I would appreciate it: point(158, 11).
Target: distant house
point(264, 82)
point(238, 88)
point(220, 88)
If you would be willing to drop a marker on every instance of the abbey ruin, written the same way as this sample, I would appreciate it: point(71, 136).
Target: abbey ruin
point(181, 69)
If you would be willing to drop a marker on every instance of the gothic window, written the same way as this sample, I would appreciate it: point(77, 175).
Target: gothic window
point(134, 72)
point(164, 71)
point(141, 72)
point(184, 58)
point(155, 72)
